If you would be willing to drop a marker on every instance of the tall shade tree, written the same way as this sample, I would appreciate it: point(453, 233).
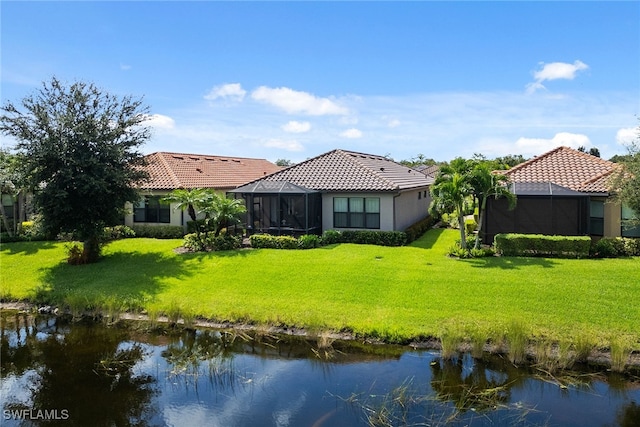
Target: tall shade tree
point(451, 188)
point(627, 181)
point(486, 184)
point(11, 185)
point(79, 146)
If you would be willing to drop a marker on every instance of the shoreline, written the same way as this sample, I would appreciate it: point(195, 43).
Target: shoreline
point(598, 357)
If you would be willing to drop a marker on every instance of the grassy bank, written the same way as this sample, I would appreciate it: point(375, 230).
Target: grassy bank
point(391, 293)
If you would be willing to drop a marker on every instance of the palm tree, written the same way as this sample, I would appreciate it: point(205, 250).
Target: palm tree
point(223, 212)
point(188, 199)
point(486, 184)
point(450, 189)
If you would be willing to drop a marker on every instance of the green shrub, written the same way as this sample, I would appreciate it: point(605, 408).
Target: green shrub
point(205, 242)
point(419, 228)
point(370, 237)
point(267, 241)
point(470, 225)
point(330, 237)
point(32, 230)
point(118, 232)
point(159, 231)
point(612, 247)
point(309, 241)
point(541, 245)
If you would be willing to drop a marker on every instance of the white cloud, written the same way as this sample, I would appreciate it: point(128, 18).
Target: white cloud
point(555, 71)
point(296, 127)
point(296, 102)
point(160, 121)
point(352, 133)
point(626, 136)
point(534, 146)
point(125, 67)
point(291, 145)
point(394, 123)
point(232, 91)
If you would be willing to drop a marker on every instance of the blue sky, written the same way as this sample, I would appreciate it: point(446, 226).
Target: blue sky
point(295, 79)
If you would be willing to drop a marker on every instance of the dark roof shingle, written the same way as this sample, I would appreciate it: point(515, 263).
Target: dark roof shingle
point(342, 170)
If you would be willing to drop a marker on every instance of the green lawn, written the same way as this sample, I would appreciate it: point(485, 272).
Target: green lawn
point(393, 293)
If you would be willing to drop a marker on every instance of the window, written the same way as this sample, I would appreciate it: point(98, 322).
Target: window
point(597, 218)
point(626, 215)
point(356, 212)
point(149, 209)
point(7, 204)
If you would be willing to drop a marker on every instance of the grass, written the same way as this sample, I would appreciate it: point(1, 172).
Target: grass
point(392, 293)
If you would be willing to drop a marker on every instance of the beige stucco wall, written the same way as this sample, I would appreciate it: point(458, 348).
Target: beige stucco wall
point(408, 208)
point(411, 207)
point(612, 219)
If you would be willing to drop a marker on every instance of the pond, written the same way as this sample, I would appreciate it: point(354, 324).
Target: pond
point(59, 372)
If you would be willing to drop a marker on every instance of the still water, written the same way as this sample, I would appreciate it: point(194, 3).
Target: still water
point(58, 372)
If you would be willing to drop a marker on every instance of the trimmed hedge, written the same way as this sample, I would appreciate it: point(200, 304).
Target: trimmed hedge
point(380, 238)
point(365, 237)
point(542, 245)
point(268, 241)
point(419, 228)
point(159, 231)
point(209, 242)
point(329, 237)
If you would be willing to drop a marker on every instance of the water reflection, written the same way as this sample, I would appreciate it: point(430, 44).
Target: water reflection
point(74, 375)
point(106, 376)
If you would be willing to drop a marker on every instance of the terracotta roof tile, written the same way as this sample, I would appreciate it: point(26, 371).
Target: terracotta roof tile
point(341, 170)
point(566, 167)
point(179, 170)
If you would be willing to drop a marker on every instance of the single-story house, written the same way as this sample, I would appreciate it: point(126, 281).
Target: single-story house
point(561, 192)
point(170, 171)
point(340, 190)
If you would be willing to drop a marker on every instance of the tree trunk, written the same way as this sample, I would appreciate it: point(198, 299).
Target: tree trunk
point(5, 221)
point(483, 206)
point(463, 237)
point(91, 250)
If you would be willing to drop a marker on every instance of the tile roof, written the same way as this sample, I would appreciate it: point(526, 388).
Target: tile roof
point(179, 170)
point(342, 170)
point(566, 167)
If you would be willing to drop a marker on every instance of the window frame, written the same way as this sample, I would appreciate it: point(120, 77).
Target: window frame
point(359, 212)
point(150, 209)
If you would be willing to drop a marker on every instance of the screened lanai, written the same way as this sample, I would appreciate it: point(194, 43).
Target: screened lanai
point(280, 207)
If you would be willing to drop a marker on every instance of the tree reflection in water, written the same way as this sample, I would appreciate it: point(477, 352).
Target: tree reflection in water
point(84, 371)
point(480, 385)
point(193, 354)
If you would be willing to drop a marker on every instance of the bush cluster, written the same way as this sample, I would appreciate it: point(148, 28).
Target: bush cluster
point(205, 242)
point(540, 245)
point(611, 247)
point(159, 231)
point(268, 241)
point(118, 232)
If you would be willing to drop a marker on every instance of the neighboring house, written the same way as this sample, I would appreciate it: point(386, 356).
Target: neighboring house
point(338, 190)
point(430, 171)
point(170, 171)
point(561, 192)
